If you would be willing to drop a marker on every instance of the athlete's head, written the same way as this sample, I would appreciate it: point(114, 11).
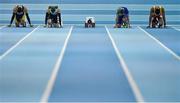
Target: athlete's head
point(89, 21)
point(53, 9)
point(19, 8)
point(120, 11)
point(157, 10)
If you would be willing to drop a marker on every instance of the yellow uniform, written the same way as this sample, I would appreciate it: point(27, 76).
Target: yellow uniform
point(20, 18)
point(157, 15)
point(20, 14)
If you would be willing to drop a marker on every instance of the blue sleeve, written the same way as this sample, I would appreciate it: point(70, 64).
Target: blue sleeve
point(126, 11)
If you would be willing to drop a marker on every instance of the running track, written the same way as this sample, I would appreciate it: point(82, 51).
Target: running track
point(77, 64)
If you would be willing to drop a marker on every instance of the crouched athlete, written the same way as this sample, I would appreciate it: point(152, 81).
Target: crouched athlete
point(157, 17)
point(20, 13)
point(53, 17)
point(122, 18)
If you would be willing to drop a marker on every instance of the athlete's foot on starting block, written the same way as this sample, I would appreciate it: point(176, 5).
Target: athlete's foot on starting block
point(31, 25)
point(45, 26)
point(148, 27)
point(9, 25)
point(115, 26)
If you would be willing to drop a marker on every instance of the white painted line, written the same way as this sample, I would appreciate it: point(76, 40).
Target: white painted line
point(176, 28)
point(161, 44)
point(2, 27)
point(173, 25)
point(135, 89)
point(18, 43)
point(57, 66)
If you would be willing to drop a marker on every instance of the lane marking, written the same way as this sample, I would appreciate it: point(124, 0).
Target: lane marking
point(161, 44)
point(17, 44)
point(135, 89)
point(176, 28)
point(2, 27)
point(56, 68)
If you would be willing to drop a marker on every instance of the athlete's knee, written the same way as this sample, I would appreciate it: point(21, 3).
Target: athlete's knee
point(49, 21)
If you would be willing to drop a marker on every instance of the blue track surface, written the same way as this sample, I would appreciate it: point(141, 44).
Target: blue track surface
point(98, 22)
point(7, 38)
point(94, 1)
point(90, 70)
point(154, 69)
point(75, 11)
point(169, 37)
point(93, 12)
point(31, 1)
point(24, 73)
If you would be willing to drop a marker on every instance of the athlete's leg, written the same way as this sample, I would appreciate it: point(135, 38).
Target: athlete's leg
point(49, 22)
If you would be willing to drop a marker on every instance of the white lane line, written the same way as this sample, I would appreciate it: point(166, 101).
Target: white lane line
point(176, 28)
point(18, 43)
point(161, 44)
point(56, 68)
point(135, 89)
point(2, 27)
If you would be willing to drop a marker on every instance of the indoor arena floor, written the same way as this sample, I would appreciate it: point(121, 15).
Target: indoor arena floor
point(102, 64)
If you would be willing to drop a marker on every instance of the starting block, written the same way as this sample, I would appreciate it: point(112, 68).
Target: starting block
point(90, 22)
